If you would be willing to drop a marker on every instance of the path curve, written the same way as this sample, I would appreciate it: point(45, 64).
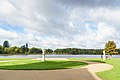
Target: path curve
point(95, 67)
point(84, 73)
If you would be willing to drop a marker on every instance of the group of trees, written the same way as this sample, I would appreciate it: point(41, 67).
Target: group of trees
point(78, 51)
point(24, 49)
point(7, 49)
point(110, 48)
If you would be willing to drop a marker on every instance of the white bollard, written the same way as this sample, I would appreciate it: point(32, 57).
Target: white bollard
point(104, 57)
point(43, 55)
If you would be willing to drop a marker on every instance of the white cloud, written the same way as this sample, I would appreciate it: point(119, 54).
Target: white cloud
point(7, 34)
point(105, 32)
point(6, 8)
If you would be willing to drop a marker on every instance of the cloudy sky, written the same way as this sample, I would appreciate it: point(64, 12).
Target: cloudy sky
point(60, 23)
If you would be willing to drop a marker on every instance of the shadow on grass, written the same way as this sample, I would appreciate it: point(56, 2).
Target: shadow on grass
point(47, 65)
point(99, 61)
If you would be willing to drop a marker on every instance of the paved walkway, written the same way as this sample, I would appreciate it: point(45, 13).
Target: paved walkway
point(84, 73)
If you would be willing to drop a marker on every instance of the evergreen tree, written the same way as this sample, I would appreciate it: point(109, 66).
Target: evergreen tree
point(6, 44)
point(22, 49)
point(26, 48)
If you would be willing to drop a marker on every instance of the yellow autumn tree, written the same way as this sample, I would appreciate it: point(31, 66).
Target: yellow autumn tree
point(110, 48)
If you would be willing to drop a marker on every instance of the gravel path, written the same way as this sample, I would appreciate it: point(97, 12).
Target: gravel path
point(84, 73)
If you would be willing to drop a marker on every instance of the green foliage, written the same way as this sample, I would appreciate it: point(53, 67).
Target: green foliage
point(48, 51)
point(6, 44)
point(78, 51)
point(11, 50)
point(14, 50)
point(110, 48)
point(1, 49)
point(22, 49)
point(26, 48)
point(17, 50)
point(6, 50)
point(35, 51)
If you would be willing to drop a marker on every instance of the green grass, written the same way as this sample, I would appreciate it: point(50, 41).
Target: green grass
point(3, 59)
point(89, 59)
point(113, 74)
point(84, 59)
point(28, 64)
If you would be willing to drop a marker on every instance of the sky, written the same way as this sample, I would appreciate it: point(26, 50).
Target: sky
point(60, 23)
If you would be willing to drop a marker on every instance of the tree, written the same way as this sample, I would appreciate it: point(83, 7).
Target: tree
point(22, 49)
point(34, 50)
point(1, 49)
point(48, 51)
point(11, 50)
point(110, 48)
point(17, 50)
point(6, 50)
point(14, 50)
point(26, 48)
point(6, 44)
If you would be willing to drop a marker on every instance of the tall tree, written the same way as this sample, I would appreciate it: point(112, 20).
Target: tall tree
point(26, 48)
point(6, 44)
point(22, 49)
point(110, 48)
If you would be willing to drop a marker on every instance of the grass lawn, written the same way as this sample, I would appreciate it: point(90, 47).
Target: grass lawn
point(113, 74)
point(29, 64)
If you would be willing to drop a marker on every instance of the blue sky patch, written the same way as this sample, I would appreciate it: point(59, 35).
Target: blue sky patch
point(9, 27)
